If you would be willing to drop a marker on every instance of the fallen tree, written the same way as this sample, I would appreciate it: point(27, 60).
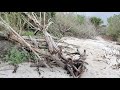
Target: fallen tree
point(54, 53)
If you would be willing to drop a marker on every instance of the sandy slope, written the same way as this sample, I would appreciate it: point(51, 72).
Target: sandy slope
point(101, 58)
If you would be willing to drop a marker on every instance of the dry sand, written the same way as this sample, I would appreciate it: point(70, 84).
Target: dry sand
point(101, 58)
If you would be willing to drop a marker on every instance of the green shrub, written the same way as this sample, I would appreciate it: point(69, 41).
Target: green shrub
point(102, 30)
point(28, 33)
point(18, 21)
point(96, 21)
point(78, 25)
point(114, 26)
point(72, 22)
point(16, 56)
point(15, 19)
point(81, 19)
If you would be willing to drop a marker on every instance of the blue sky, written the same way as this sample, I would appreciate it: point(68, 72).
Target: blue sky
point(102, 15)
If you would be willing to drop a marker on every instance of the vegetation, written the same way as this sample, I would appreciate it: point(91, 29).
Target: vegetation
point(16, 56)
point(65, 24)
point(18, 21)
point(28, 33)
point(114, 27)
point(96, 21)
point(81, 19)
point(69, 25)
point(15, 19)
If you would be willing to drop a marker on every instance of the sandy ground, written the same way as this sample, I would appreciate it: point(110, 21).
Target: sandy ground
point(101, 59)
point(25, 71)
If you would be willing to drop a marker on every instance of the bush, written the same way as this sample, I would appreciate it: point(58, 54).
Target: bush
point(64, 24)
point(114, 26)
point(28, 33)
point(102, 30)
point(69, 25)
point(81, 19)
point(96, 21)
point(18, 21)
point(16, 56)
point(15, 19)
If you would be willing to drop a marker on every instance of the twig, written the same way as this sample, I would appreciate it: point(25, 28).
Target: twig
point(44, 19)
point(31, 25)
point(71, 70)
point(15, 68)
point(38, 70)
point(76, 68)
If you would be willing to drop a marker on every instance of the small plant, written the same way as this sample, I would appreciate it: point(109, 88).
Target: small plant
point(16, 56)
point(28, 33)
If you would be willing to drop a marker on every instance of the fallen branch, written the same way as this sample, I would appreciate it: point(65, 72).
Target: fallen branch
point(55, 53)
point(19, 37)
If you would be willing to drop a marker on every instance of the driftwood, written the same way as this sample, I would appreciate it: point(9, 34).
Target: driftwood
point(74, 67)
point(52, 47)
point(18, 38)
point(40, 39)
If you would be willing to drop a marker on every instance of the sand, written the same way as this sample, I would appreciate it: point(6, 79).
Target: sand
point(101, 59)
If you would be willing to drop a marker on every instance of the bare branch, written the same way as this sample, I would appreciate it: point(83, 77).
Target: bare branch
point(44, 19)
point(34, 27)
point(34, 19)
point(40, 17)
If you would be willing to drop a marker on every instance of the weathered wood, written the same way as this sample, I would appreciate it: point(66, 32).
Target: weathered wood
point(58, 61)
point(20, 39)
point(70, 69)
point(53, 48)
point(54, 57)
point(38, 39)
point(54, 52)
